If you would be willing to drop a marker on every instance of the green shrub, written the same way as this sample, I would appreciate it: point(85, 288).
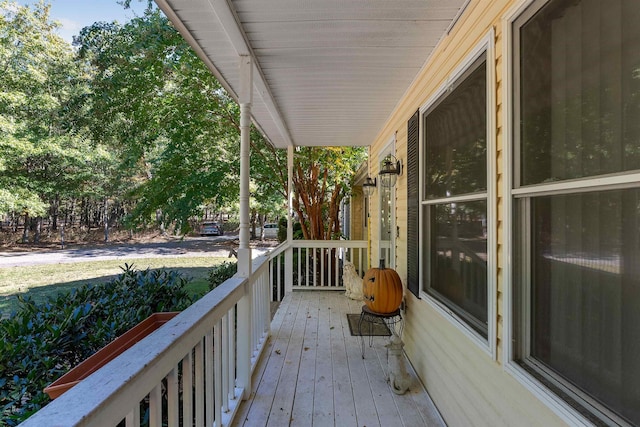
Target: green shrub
point(222, 272)
point(41, 342)
point(282, 230)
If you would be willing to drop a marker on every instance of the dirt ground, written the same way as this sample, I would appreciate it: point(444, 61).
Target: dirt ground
point(10, 240)
point(74, 238)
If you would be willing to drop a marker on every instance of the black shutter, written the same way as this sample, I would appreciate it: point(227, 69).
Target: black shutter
point(413, 205)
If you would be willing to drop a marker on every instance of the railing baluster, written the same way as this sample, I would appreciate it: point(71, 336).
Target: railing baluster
point(266, 316)
point(155, 406)
point(259, 310)
point(173, 398)
point(219, 397)
point(322, 258)
point(336, 260)
point(271, 270)
point(232, 353)
point(133, 418)
point(299, 267)
point(210, 402)
point(187, 390)
point(244, 344)
point(279, 282)
point(199, 380)
point(220, 348)
point(254, 319)
point(315, 268)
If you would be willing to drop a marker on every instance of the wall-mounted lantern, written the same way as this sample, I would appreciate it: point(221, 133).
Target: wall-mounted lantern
point(369, 186)
point(390, 169)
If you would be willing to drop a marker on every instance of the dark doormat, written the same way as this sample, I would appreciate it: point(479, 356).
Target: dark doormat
point(368, 328)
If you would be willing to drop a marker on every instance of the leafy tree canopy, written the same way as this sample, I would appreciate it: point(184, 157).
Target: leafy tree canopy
point(43, 153)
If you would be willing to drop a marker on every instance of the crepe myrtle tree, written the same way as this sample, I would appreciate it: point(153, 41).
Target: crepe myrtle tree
point(322, 177)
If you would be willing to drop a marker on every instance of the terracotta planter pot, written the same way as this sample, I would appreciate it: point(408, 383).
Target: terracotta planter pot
point(108, 353)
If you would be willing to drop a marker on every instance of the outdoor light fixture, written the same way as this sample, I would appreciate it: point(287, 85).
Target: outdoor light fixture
point(369, 186)
point(390, 168)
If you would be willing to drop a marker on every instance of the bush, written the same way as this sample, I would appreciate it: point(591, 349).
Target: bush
point(41, 342)
point(282, 230)
point(222, 272)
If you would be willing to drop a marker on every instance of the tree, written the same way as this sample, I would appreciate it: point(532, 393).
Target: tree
point(322, 177)
point(43, 153)
point(171, 122)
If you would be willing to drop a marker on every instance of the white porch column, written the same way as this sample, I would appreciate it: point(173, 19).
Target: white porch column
point(288, 256)
point(245, 99)
point(245, 309)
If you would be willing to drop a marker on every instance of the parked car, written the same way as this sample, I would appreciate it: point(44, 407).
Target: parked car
point(211, 229)
point(271, 231)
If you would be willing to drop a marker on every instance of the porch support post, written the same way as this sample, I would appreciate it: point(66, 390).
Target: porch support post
point(288, 255)
point(245, 98)
point(245, 319)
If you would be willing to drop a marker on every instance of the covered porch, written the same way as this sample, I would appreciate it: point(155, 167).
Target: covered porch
point(321, 74)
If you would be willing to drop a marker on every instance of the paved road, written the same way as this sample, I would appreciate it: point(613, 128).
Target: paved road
point(189, 247)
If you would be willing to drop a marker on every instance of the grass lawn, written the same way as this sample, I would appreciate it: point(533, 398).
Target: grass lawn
point(40, 281)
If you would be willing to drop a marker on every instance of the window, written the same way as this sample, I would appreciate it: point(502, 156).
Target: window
point(454, 203)
point(576, 200)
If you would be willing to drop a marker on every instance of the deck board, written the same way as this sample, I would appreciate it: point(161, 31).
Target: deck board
point(323, 395)
point(312, 373)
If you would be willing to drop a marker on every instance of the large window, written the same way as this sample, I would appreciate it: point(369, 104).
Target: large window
point(577, 203)
point(455, 198)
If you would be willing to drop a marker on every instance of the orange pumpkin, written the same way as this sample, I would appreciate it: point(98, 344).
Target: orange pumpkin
point(382, 289)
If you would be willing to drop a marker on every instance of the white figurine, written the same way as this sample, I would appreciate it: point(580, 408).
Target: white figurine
point(352, 282)
point(398, 378)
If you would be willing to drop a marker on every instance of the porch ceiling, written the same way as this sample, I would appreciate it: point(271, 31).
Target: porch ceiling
point(327, 72)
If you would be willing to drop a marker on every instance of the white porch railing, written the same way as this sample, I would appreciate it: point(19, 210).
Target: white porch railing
point(196, 368)
point(315, 264)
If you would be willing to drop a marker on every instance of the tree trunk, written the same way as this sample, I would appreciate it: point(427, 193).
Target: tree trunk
point(106, 219)
point(72, 214)
point(25, 233)
point(160, 222)
point(38, 224)
point(54, 213)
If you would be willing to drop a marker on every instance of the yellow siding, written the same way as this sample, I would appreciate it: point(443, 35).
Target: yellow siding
point(357, 214)
point(467, 384)
point(357, 221)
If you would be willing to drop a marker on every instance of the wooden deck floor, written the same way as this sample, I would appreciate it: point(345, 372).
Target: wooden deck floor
point(312, 373)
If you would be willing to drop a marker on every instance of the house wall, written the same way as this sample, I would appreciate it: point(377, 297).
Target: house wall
point(469, 384)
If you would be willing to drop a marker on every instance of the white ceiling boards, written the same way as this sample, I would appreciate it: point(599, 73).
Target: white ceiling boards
point(327, 72)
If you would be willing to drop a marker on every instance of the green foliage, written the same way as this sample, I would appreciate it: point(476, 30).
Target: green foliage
point(41, 342)
point(132, 118)
point(159, 106)
point(282, 230)
point(45, 150)
point(222, 272)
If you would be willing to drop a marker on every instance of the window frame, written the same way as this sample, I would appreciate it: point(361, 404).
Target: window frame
point(485, 47)
point(518, 197)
